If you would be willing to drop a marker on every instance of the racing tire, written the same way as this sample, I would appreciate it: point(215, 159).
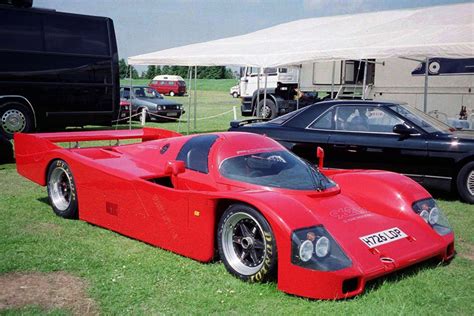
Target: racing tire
point(61, 188)
point(246, 244)
point(15, 118)
point(465, 183)
point(235, 95)
point(172, 93)
point(268, 110)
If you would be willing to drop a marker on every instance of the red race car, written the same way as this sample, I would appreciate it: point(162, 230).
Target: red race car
point(323, 233)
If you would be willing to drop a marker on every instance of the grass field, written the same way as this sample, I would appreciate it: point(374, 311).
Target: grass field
point(125, 276)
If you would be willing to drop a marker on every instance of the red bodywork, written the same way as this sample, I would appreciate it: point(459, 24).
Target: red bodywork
point(114, 191)
point(166, 86)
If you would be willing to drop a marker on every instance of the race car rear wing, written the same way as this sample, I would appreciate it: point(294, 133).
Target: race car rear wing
point(145, 134)
point(32, 150)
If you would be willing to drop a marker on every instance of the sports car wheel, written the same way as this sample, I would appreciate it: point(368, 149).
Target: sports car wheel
point(62, 190)
point(172, 93)
point(246, 244)
point(465, 183)
point(235, 95)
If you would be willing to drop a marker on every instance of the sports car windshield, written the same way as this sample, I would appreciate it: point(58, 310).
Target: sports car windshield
point(428, 123)
point(279, 169)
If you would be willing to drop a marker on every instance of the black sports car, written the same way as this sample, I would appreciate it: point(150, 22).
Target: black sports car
point(377, 135)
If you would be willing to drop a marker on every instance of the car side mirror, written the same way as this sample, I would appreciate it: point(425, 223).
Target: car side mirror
point(404, 130)
point(320, 155)
point(175, 167)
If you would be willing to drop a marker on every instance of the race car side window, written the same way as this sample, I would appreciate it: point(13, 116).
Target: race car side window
point(195, 152)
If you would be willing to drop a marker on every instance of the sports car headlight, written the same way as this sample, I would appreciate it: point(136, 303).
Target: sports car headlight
point(158, 108)
point(314, 248)
point(433, 216)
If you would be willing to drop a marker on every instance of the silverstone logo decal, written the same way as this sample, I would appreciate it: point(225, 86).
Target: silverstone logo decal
point(383, 237)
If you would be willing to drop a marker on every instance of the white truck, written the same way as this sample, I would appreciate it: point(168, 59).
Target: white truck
point(450, 85)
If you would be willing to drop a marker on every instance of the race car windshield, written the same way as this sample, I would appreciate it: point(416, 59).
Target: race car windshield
point(280, 169)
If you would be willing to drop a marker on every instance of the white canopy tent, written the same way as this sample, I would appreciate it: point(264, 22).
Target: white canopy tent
point(441, 31)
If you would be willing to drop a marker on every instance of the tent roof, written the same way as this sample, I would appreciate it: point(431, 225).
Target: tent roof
point(440, 31)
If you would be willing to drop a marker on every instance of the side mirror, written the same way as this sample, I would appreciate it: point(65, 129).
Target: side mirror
point(175, 167)
point(404, 130)
point(320, 155)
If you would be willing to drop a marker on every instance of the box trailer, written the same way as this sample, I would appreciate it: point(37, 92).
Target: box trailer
point(450, 84)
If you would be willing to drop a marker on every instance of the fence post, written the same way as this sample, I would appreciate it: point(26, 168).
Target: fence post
point(143, 117)
point(234, 108)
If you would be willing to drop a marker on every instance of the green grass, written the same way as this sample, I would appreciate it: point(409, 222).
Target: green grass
point(126, 276)
point(222, 85)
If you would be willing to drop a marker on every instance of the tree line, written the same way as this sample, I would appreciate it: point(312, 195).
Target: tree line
point(213, 72)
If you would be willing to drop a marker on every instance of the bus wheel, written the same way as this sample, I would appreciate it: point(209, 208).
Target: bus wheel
point(15, 118)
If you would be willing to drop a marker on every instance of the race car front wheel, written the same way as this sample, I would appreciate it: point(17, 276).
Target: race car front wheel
point(62, 190)
point(246, 244)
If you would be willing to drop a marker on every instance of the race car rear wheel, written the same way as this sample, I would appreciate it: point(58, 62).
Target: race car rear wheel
point(62, 190)
point(246, 244)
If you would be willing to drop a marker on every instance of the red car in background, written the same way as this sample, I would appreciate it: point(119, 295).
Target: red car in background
point(171, 85)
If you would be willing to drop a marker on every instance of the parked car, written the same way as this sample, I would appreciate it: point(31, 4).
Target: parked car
point(378, 135)
point(267, 214)
point(235, 91)
point(148, 99)
point(171, 85)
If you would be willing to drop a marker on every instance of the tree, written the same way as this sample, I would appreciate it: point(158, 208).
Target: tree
point(150, 72)
point(123, 69)
point(166, 70)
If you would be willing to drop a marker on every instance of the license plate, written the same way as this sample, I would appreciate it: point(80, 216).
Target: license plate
point(172, 114)
point(383, 237)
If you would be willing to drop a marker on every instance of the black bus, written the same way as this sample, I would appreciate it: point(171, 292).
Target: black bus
point(56, 70)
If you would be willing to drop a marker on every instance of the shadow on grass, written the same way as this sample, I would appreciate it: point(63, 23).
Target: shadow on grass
point(405, 273)
point(44, 200)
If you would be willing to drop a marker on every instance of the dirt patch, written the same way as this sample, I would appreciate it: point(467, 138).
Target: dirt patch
point(468, 253)
point(47, 290)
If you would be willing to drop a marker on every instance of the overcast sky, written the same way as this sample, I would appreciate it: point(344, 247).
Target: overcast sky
point(143, 26)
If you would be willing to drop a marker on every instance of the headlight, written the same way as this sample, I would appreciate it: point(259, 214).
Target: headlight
point(158, 108)
point(314, 248)
point(306, 250)
point(432, 214)
point(322, 247)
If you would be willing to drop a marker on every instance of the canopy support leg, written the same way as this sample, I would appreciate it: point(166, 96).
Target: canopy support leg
point(298, 94)
point(190, 71)
point(258, 92)
point(131, 101)
point(195, 95)
point(265, 91)
point(425, 90)
point(364, 81)
point(333, 78)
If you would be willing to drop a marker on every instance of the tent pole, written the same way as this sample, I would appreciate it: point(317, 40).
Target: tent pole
point(131, 101)
point(265, 89)
point(190, 71)
point(364, 81)
point(258, 91)
point(425, 90)
point(195, 94)
point(298, 88)
point(333, 78)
